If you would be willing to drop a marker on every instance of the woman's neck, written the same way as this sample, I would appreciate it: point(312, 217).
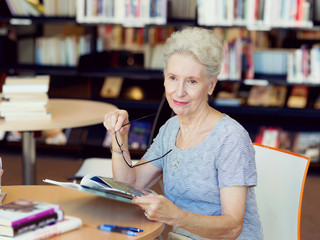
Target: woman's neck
point(194, 129)
point(194, 122)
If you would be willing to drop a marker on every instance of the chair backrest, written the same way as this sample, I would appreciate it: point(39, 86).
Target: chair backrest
point(163, 114)
point(279, 192)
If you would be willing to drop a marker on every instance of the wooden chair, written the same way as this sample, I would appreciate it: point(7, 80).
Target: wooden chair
point(279, 192)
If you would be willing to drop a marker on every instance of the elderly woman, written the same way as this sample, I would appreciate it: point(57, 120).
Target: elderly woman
point(205, 157)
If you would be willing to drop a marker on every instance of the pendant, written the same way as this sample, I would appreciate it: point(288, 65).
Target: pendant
point(175, 166)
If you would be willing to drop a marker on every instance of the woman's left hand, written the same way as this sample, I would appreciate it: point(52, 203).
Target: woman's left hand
point(158, 208)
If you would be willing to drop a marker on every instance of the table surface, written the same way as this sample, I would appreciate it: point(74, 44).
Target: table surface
point(66, 113)
point(93, 210)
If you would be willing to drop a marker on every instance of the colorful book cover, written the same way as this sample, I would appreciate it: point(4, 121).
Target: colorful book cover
point(67, 224)
point(139, 135)
point(23, 210)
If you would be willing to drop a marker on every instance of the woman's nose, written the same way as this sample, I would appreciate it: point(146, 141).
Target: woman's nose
point(181, 88)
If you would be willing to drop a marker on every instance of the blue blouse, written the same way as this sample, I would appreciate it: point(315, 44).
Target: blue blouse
point(193, 177)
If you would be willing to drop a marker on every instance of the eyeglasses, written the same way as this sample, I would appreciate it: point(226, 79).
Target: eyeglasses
point(125, 153)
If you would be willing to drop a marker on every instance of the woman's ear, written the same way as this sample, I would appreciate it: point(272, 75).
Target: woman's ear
point(212, 85)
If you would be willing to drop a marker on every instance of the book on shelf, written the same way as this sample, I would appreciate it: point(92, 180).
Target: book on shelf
point(278, 96)
point(68, 223)
point(286, 140)
point(269, 136)
point(105, 187)
point(317, 103)
point(23, 215)
point(270, 62)
point(182, 9)
point(126, 12)
point(298, 97)
point(228, 94)
point(111, 87)
point(232, 64)
point(139, 135)
point(66, 8)
point(61, 50)
point(267, 96)
point(25, 8)
point(303, 65)
point(308, 144)
point(257, 15)
point(259, 96)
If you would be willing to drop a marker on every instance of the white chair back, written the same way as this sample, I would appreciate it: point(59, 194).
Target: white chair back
point(279, 192)
point(98, 166)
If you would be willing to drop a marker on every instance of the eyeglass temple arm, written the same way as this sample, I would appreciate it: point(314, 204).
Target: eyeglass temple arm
point(137, 165)
point(135, 120)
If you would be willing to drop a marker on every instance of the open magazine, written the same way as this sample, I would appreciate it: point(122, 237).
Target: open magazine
point(105, 187)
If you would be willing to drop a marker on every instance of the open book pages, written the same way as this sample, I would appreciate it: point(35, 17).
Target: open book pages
point(105, 187)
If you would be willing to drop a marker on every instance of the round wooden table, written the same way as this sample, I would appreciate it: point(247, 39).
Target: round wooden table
point(93, 210)
point(66, 113)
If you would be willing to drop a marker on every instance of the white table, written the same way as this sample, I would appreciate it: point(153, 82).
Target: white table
point(66, 113)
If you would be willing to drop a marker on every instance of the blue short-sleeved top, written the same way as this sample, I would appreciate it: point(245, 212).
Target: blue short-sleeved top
point(193, 177)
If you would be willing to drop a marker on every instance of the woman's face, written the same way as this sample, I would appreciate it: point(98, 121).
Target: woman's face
point(186, 84)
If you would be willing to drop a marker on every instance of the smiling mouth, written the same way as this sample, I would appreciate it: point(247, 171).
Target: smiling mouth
point(180, 103)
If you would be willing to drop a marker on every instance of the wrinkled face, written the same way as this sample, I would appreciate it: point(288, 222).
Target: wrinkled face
point(186, 84)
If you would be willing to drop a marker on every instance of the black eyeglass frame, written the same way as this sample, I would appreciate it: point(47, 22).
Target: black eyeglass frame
point(123, 150)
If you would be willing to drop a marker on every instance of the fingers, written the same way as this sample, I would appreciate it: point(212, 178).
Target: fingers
point(148, 204)
point(113, 121)
point(145, 205)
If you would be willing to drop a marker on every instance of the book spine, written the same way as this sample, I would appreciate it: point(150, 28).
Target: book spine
point(66, 225)
point(33, 217)
point(39, 222)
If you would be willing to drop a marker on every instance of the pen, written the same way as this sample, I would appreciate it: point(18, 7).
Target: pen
point(123, 228)
point(111, 228)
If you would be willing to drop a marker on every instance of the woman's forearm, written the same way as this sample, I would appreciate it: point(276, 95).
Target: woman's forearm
point(211, 227)
point(120, 170)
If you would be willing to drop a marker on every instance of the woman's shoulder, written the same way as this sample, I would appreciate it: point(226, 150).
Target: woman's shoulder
point(229, 130)
point(172, 122)
point(171, 125)
point(227, 123)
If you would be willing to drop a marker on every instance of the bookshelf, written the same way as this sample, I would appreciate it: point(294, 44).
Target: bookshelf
point(132, 38)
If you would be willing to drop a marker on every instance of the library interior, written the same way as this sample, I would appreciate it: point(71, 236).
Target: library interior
point(65, 64)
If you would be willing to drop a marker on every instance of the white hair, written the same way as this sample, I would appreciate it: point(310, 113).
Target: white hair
point(199, 42)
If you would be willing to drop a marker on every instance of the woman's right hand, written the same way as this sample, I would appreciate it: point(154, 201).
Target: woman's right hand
point(113, 121)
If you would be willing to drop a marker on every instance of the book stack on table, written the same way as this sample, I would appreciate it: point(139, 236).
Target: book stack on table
point(26, 219)
point(25, 98)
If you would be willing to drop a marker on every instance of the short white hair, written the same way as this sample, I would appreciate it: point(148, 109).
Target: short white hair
point(199, 42)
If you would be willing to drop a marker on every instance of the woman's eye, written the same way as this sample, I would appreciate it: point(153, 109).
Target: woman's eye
point(192, 82)
point(172, 78)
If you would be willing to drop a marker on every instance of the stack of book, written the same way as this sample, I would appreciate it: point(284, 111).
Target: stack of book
point(25, 98)
point(28, 219)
